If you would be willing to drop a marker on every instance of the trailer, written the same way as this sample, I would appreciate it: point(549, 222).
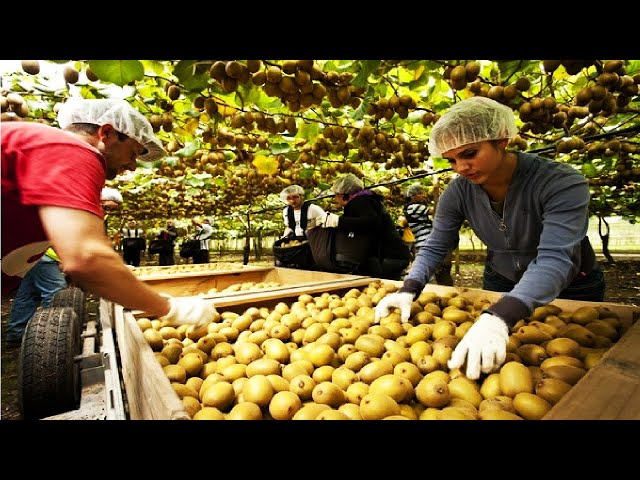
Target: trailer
point(122, 380)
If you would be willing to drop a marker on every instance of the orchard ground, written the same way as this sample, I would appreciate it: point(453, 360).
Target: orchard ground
point(622, 277)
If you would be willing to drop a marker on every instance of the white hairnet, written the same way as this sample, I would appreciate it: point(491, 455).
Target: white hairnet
point(415, 189)
point(475, 119)
point(347, 184)
point(117, 113)
point(110, 194)
point(291, 190)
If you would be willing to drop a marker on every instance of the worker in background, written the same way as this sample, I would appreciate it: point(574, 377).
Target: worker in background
point(133, 243)
point(38, 287)
point(204, 230)
point(416, 211)
point(298, 215)
point(168, 237)
point(364, 217)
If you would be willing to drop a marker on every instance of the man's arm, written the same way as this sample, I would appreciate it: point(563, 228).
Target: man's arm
point(79, 240)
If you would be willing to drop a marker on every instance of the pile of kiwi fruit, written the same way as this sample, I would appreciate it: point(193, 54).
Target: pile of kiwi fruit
point(244, 286)
point(323, 357)
point(184, 268)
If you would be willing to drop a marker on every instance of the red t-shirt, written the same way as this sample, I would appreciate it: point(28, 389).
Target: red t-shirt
point(41, 165)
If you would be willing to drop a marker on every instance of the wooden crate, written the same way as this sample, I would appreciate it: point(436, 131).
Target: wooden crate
point(148, 390)
point(187, 269)
point(200, 283)
point(610, 390)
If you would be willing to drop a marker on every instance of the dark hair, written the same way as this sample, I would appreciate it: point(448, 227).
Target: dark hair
point(88, 128)
point(121, 136)
point(91, 129)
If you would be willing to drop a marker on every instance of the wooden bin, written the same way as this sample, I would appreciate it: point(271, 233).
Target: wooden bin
point(610, 390)
point(184, 285)
point(187, 269)
point(148, 390)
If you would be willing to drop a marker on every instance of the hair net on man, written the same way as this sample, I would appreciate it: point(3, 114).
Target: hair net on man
point(110, 195)
point(473, 120)
point(415, 189)
point(117, 113)
point(291, 190)
point(347, 184)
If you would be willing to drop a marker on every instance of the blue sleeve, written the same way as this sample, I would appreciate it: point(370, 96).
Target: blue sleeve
point(565, 206)
point(443, 238)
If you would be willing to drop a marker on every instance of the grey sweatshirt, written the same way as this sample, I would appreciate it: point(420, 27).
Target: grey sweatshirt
point(540, 242)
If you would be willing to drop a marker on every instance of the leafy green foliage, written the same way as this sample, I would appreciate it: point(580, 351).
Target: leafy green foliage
point(120, 72)
point(233, 149)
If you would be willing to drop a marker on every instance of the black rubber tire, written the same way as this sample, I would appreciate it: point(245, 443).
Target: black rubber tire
point(48, 375)
point(71, 297)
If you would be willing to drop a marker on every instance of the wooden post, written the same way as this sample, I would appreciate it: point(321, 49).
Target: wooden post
point(247, 243)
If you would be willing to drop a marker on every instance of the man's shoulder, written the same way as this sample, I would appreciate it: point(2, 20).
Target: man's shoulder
point(39, 134)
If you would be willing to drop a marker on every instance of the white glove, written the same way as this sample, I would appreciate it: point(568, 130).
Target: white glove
point(190, 310)
point(331, 220)
point(401, 300)
point(484, 345)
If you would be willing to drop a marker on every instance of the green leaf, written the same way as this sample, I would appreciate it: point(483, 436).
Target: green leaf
point(153, 66)
point(589, 170)
point(359, 112)
point(368, 66)
point(277, 148)
point(189, 149)
point(306, 173)
point(265, 165)
point(309, 131)
point(119, 72)
point(330, 66)
point(220, 182)
point(405, 76)
point(146, 92)
point(189, 75)
point(194, 182)
point(440, 163)
point(248, 94)
point(154, 164)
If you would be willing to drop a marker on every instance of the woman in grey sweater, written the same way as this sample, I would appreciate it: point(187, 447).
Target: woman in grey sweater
point(530, 212)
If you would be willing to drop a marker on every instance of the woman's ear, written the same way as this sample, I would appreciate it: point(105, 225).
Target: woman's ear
point(502, 143)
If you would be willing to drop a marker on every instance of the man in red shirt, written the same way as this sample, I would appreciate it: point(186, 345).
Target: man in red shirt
point(51, 183)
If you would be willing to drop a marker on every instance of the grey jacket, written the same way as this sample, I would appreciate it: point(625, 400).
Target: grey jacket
point(540, 242)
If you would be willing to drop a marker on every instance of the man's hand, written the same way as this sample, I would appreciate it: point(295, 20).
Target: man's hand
point(190, 310)
point(331, 220)
point(401, 300)
point(484, 346)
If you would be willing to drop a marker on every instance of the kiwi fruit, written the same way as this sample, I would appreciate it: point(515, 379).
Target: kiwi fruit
point(32, 67)
point(70, 74)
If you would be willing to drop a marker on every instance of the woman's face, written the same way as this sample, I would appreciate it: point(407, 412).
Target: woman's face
point(477, 161)
point(341, 199)
point(294, 200)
